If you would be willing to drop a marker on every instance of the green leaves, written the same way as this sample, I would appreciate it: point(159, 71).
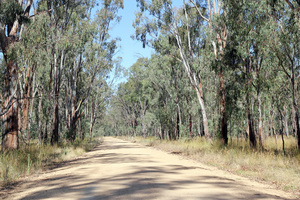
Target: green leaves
point(10, 10)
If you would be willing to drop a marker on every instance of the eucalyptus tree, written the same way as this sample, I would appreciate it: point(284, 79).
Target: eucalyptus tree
point(12, 15)
point(61, 16)
point(286, 48)
point(30, 54)
point(94, 57)
point(164, 74)
point(128, 101)
point(140, 86)
point(256, 56)
point(246, 51)
point(217, 36)
point(185, 30)
point(61, 49)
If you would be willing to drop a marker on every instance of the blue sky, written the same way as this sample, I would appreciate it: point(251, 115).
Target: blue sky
point(130, 50)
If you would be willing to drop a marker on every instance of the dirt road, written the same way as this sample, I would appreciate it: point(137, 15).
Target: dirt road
point(122, 170)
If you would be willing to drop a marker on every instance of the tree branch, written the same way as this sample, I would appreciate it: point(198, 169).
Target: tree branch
point(290, 4)
point(198, 10)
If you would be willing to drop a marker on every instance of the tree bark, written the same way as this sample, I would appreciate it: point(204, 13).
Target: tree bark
point(79, 129)
point(74, 111)
point(252, 138)
point(72, 131)
point(177, 128)
point(191, 125)
point(10, 138)
point(33, 92)
point(203, 110)
point(260, 122)
point(286, 126)
point(92, 118)
point(195, 81)
point(26, 103)
point(40, 118)
point(223, 117)
point(293, 117)
point(55, 135)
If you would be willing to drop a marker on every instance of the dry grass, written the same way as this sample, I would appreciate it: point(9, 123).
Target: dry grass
point(270, 165)
point(33, 158)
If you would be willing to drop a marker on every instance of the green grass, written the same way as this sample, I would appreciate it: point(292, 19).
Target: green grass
point(270, 165)
point(33, 158)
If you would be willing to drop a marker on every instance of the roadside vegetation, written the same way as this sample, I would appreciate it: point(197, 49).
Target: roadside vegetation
point(34, 158)
point(271, 165)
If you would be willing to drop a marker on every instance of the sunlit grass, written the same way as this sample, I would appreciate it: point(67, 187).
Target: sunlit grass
point(33, 158)
point(270, 165)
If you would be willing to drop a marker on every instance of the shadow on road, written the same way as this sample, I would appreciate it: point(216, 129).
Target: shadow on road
point(142, 182)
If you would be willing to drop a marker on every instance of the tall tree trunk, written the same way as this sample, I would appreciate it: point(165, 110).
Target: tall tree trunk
point(143, 124)
point(195, 81)
point(223, 117)
point(10, 138)
point(55, 135)
point(200, 96)
point(286, 126)
point(260, 122)
point(67, 112)
point(45, 138)
point(191, 125)
point(252, 138)
point(281, 129)
point(79, 129)
point(40, 128)
point(143, 106)
point(293, 117)
point(92, 118)
point(56, 87)
point(33, 92)
point(258, 89)
point(74, 111)
point(26, 103)
point(177, 128)
point(72, 131)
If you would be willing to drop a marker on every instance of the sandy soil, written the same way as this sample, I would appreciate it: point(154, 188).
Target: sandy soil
point(122, 170)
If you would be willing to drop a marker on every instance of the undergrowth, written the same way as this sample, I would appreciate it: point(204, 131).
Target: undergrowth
point(270, 165)
point(33, 158)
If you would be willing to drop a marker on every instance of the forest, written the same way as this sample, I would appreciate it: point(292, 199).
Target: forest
point(219, 70)
point(222, 82)
point(55, 67)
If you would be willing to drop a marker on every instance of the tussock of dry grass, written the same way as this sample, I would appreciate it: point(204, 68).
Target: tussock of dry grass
point(270, 165)
point(32, 158)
